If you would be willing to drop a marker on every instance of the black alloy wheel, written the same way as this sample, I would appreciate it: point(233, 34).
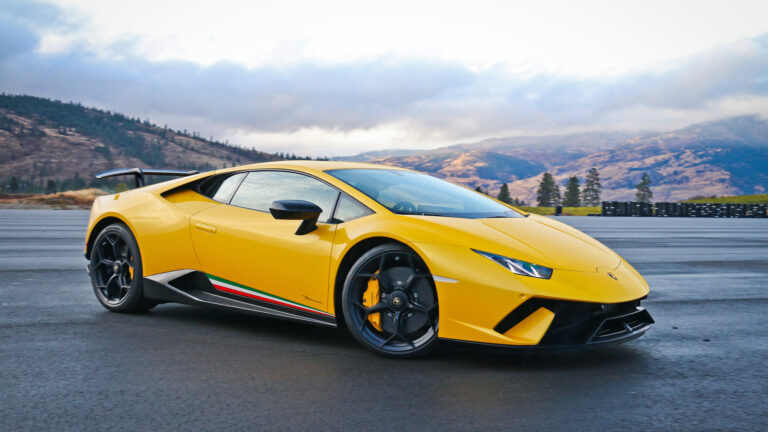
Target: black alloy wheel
point(400, 319)
point(116, 272)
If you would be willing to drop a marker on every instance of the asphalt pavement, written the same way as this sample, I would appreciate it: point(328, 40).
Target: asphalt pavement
point(68, 364)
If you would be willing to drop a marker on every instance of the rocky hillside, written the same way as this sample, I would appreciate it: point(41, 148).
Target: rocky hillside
point(44, 142)
point(471, 167)
point(42, 139)
point(492, 162)
point(726, 157)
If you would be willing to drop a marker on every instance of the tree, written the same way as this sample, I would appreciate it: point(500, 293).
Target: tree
point(14, 186)
point(644, 193)
point(503, 195)
point(572, 198)
point(78, 182)
point(548, 194)
point(50, 187)
point(590, 195)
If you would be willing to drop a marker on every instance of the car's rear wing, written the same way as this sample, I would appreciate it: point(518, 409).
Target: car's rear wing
point(139, 173)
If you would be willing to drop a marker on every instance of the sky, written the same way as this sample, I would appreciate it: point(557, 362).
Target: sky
point(341, 77)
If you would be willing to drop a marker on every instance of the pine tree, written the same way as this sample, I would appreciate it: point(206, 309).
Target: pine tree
point(572, 198)
point(590, 195)
point(479, 189)
point(78, 182)
point(14, 186)
point(548, 194)
point(50, 187)
point(644, 193)
point(503, 195)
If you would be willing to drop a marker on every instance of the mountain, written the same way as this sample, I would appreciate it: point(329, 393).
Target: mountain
point(492, 162)
point(549, 150)
point(470, 168)
point(725, 157)
point(43, 140)
point(376, 154)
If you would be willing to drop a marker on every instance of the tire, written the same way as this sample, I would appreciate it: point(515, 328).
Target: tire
point(400, 317)
point(116, 271)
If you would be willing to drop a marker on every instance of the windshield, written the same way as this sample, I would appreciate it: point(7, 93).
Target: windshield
point(411, 193)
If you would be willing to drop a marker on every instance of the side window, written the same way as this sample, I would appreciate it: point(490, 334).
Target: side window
point(220, 188)
point(261, 188)
point(349, 209)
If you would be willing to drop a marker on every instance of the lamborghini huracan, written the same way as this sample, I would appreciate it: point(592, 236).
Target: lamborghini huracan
point(399, 258)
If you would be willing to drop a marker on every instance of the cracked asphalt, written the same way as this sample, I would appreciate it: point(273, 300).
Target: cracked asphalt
point(68, 364)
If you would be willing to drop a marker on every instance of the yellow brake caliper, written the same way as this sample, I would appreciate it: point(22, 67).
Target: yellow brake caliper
point(130, 269)
point(370, 298)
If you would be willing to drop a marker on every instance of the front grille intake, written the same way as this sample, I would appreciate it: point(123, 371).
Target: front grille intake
point(581, 323)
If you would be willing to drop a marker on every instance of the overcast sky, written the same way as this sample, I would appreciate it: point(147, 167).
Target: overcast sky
point(340, 77)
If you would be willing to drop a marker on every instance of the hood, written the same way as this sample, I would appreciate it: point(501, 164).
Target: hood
point(566, 248)
point(537, 239)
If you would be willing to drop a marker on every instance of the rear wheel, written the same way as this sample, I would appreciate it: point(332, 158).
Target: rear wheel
point(116, 272)
point(390, 303)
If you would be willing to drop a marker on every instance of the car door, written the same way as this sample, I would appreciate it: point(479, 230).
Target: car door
point(246, 252)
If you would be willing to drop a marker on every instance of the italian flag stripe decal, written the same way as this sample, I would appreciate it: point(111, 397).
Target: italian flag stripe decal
point(242, 290)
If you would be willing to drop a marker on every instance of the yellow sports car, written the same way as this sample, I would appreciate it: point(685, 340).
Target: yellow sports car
point(398, 257)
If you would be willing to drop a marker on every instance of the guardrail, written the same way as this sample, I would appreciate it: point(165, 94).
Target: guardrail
point(676, 209)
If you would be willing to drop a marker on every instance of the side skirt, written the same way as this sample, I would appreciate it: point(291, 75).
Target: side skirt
point(193, 287)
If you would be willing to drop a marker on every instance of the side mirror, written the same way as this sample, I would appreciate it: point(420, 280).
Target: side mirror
point(297, 210)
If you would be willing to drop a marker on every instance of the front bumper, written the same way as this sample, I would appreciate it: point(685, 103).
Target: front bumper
point(476, 294)
point(576, 324)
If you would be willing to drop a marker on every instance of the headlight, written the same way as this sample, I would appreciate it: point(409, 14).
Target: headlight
point(519, 267)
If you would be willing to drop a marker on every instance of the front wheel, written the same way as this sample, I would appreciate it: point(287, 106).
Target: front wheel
point(390, 303)
point(116, 272)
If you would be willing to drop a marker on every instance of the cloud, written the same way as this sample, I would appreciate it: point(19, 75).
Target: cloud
point(425, 97)
point(32, 13)
point(15, 38)
point(20, 22)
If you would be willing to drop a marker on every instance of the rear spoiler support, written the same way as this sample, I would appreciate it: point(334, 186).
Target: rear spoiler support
point(139, 173)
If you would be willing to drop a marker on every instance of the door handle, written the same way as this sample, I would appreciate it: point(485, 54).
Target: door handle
point(205, 227)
